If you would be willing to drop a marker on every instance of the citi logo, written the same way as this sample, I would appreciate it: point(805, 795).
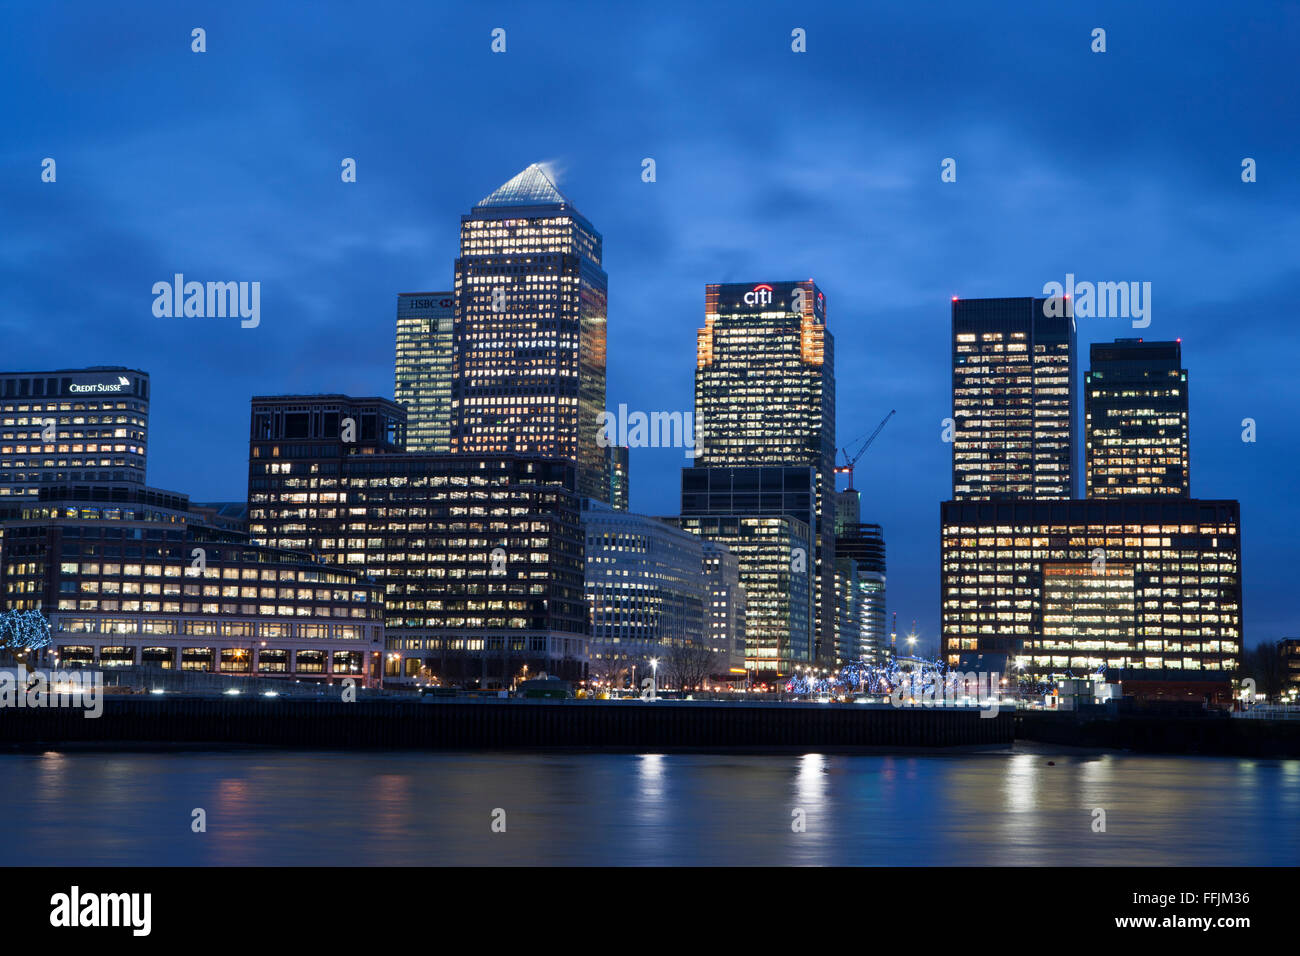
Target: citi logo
point(759, 295)
point(75, 909)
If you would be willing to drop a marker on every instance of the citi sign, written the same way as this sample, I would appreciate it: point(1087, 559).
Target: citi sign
point(759, 295)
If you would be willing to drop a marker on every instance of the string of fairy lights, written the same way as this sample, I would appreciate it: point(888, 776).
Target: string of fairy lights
point(24, 631)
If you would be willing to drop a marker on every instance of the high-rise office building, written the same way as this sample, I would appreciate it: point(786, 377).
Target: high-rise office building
point(72, 427)
point(765, 396)
point(1013, 399)
point(423, 368)
point(1136, 429)
point(864, 544)
point(480, 556)
point(529, 340)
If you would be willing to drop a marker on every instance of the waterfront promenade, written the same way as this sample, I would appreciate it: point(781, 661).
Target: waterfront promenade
point(661, 725)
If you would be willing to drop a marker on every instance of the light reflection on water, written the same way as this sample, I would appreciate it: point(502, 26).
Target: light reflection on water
point(326, 808)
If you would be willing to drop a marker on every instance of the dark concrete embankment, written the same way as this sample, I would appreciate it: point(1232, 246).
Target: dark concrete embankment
point(507, 724)
point(1212, 734)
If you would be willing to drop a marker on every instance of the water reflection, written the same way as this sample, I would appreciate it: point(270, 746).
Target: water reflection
point(303, 808)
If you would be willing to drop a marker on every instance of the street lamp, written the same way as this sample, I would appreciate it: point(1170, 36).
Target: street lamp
point(654, 671)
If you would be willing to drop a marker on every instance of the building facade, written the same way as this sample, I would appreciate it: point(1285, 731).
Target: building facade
point(137, 579)
point(423, 367)
point(725, 606)
point(645, 586)
point(772, 553)
point(86, 427)
point(1136, 586)
point(529, 340)
point(1014, 409)
point(1136, 423)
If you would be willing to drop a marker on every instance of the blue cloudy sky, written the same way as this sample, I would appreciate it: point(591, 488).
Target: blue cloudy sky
point(771, 165)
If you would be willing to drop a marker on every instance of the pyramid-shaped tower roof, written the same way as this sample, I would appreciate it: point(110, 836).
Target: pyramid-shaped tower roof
point(532, 187)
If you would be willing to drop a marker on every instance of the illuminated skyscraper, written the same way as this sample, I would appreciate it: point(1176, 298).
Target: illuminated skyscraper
point(1013, 405)
point(1135, 399)
point(529, 341)
point(765, 396)
point(423, 368)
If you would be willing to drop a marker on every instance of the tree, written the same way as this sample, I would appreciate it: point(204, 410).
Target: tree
point(1263, 664)
point(688, 666)
point(609, 669)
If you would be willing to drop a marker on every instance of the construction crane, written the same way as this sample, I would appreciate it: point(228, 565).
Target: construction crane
point(847, 467)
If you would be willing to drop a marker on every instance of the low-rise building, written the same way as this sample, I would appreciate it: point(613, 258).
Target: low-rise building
point(132, 577)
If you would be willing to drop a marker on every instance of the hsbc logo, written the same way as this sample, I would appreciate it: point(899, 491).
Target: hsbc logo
point(759, 295)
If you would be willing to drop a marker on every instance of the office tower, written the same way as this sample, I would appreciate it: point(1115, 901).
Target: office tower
point(1013, 405)
point(765, 396)
point(1144, 587)
point(529, 341)
point(423, 368)
point(619, 480)
point(480, 556)
point(754, 494)
point(645, 588)
point(724, 612)
point(72, 427)
point(1136, 429)
point(865, 545)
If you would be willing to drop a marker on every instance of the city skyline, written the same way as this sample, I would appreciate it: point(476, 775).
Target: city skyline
point(321, 332)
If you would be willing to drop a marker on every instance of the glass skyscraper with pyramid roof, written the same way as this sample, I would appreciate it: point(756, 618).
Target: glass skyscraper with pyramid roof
point(529, 355)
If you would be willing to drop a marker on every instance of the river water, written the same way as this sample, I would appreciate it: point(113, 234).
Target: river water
point(348, 808)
